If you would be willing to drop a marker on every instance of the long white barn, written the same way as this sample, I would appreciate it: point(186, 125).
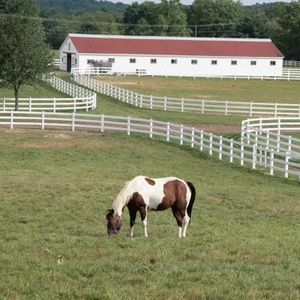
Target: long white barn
point(172, 56)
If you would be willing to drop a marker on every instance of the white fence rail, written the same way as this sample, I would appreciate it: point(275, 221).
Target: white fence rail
point(269, 134)
point(82, 99)
point(287, 73)
point(291, 63)
point(190, 105)
point(244, 153)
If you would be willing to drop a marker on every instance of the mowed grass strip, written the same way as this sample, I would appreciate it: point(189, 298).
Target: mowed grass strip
point(266, 91)
point(41, 90)
point(56, 186)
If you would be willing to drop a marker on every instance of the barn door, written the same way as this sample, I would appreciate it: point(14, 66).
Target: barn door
point(69, 62)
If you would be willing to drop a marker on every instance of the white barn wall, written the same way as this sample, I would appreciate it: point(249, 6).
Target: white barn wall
point(185, 68)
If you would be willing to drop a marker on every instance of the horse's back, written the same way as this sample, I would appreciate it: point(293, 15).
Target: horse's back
point(156, 190)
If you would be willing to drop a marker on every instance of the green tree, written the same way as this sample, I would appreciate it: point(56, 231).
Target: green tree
point(148, 18)
point(174, 19)
point(253, 24)
point(214, 17)
point(97, 23)
point(24, 56)
point(290, 36)
point(141, 19)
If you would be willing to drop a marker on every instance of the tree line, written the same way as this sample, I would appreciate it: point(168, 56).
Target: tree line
point(279, 21)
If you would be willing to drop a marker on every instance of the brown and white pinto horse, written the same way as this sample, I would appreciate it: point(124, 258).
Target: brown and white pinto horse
point(142, 193)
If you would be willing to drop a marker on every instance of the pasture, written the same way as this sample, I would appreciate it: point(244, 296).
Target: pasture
point(56, 187)
point(267, 91)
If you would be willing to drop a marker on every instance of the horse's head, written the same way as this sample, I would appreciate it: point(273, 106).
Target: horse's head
point(114, 222)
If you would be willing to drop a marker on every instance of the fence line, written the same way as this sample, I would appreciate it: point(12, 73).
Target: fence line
point(82, 99)
point(254, 155)
point(291, 63)
point(287, 73)
point(190, 105)
point(267, 133)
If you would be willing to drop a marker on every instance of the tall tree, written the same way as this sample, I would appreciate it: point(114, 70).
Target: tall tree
point(290, 23)
point(253, 24)
point(214, 17)
point(148, 18)
point(98, 22)
point(24, 56)
point(141, 19)
point(174, 19)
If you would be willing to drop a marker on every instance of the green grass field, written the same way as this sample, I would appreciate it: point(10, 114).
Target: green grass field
point(243, 242)
point(266, 91)
point(55, 189)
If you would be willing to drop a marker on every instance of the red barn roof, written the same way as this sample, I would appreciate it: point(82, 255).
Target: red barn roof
point(174, 46)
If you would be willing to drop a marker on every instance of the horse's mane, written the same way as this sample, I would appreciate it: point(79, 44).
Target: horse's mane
point(122, 198)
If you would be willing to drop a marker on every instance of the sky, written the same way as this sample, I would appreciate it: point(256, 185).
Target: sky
point(189, 2)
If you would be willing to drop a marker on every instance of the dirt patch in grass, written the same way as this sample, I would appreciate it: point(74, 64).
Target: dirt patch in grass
point(219, 128)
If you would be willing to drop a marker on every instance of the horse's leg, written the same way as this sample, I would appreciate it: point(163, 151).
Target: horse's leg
point(178, 217)
point(186, 221)
point(143, 213)
point(132, 213)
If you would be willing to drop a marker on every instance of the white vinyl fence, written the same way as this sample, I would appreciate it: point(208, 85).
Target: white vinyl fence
point(287, 73)
point(242, 152)
point(190, 105)
point(82, 99)
point(291, 63)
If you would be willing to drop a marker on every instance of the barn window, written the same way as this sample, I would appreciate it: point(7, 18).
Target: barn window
point(272, 63)
point(173, 61)
point(233, 62)
point(194, 62)
point(132, 60)
point(253, 63)
point(112, 60)
point(153, 61)
point(214, 62)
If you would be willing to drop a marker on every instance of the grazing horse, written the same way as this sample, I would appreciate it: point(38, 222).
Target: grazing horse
point(142, 193)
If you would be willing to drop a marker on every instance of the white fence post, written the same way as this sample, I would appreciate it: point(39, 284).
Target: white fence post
point(193, 137)
point(242, 153)
point(286, 165)
point(102, 123)
point(201, 140)
point(231, 151)
point(30, 104)
point(220, 147)
point(210, 144)
point(11, 119)
point(181, 134)
point(254, 158)
point(128, 125)
point(54, 105)
point(43, 120)
point(151, 128)
point(272, 162)
point(168, 131)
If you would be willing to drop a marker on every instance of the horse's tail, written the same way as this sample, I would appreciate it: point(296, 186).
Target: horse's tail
point(192, 200)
